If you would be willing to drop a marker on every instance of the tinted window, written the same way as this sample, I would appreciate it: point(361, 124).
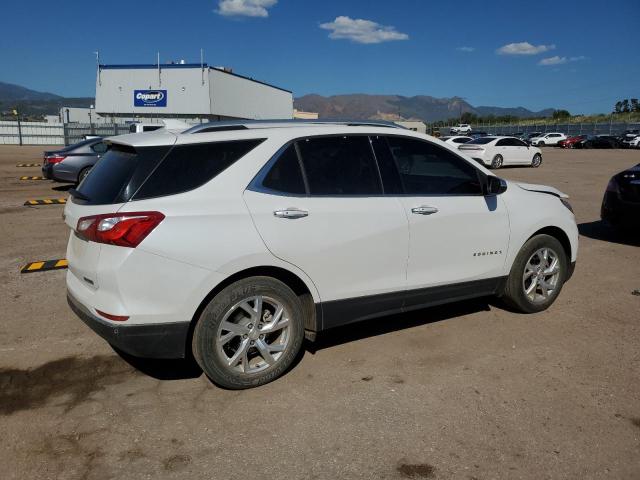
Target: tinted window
point(190, 166)
point(481, 141)
point(340, 166)
point(100, 147)
point(285, 174)
point(119, 173)
point(151, 128)
point(503, 143)
point(426, 169)
point(461, 140)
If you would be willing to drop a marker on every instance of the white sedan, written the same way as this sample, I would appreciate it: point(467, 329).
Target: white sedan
point(456, 139)
point(495, 152)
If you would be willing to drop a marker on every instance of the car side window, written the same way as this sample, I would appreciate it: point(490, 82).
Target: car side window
point(426, 169)
point(340, 165)
point(503, 143)
point(518, 143)
point(99, 147)
point(286, 175)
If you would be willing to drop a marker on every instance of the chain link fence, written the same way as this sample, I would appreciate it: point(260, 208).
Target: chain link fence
point(570, 129)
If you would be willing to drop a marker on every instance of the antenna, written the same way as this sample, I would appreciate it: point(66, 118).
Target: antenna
point(97, 54)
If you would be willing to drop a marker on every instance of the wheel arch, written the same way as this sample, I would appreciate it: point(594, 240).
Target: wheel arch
point(557, 233)
point(312, 318)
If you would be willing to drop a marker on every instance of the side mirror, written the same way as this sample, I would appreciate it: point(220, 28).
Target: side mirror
point(495, 186)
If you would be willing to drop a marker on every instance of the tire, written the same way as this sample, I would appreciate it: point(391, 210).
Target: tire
point(83, 173)
point(514, 293)
point(235, 359)
point(536, 161)
point(540, 144)
point(496, 162)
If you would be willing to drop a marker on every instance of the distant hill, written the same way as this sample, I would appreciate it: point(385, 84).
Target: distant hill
point(397, 107)
point(34, 103)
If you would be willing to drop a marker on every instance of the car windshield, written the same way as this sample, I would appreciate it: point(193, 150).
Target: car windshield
point(481, 141)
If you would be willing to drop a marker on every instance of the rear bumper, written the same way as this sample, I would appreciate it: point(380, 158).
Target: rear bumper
point(159, 340)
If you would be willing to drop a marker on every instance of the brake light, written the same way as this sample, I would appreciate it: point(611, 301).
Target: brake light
point(55, 158)
point(121, 229)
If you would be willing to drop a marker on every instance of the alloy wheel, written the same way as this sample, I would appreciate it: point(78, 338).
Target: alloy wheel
point(541, 275)
point(253, 334)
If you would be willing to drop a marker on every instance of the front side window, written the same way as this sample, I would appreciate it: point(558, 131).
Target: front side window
point(426, 169)
point(100, 147)
point(341, 165)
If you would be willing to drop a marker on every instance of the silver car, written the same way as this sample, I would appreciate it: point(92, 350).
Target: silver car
point(73, 163)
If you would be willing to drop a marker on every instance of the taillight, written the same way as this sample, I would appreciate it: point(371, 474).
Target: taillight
point(121, 229)
point(55, 158)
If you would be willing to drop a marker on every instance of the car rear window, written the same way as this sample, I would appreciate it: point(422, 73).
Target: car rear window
point(481, 141)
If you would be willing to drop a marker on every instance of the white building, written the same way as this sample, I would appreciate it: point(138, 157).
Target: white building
point(186, 91)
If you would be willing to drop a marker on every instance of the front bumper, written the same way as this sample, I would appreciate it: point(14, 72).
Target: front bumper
point(619, 212)
point(158, 340)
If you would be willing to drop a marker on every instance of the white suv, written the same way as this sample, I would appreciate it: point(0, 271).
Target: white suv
point(548, 139)
point(461, 128)
point(233, 241)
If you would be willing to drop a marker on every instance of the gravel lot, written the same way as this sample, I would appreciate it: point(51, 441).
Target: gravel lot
point(466, 391)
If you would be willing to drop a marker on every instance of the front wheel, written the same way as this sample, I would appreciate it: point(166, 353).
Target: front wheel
point(537, 275)
point(540, 144)
point(249, 333)
point(496, 162)
point(537, 160)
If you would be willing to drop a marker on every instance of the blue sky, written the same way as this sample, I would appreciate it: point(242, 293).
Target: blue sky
point(579, 55)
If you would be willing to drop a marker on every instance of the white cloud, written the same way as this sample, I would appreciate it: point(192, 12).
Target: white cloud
point(466, 49)
point(523, 48)
point(577, 59)
point(246, 8)
point(361, 31)
point(553, 61)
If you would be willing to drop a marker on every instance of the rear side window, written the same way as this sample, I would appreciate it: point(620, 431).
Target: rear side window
point(119, 173)
point(427, 169)
point(190, 166)
point(340, 166)
point(285, 175)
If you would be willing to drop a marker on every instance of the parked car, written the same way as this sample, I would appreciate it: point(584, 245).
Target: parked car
point(526, 138)
point(496, 152)
point(460, 128)
point(235, 240)
point(571, 141)
point(73, 163)
point(139, 127)
point(630, 134)
point(456, 140)
point(631, 141)
point(598, 141)
point(548, 139)
point(621, 202)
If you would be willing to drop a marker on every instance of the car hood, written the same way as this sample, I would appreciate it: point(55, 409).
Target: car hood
point(531, 187)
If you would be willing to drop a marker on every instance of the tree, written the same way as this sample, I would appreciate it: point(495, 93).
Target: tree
point(618, 107)
point(625, 106)
point(561, 114)
point(635, 106)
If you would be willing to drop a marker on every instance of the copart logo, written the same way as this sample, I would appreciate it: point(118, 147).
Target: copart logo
point(150, 98)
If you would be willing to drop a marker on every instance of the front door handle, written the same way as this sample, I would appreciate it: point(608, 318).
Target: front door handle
point(424, 210)
point(291, 213)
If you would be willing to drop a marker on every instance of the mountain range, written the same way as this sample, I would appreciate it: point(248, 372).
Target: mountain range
point(352, 106)
point(397, 107)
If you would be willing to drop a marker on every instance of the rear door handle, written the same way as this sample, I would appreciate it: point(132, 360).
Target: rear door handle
point(424, 210)
point(291, 213)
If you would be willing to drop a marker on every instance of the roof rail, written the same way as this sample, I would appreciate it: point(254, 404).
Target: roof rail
point(227, 125)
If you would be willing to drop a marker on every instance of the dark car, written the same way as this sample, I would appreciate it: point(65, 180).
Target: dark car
point(72, 163)
point(526, 138)
point(598, 141)
point(621, 203)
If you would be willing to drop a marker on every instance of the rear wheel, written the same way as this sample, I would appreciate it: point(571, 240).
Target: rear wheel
point(250, 333)
point(83, 173)
point(537, 160)
point(497, 161)
point(537, 275)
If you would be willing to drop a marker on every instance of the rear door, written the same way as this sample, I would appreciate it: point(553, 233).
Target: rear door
point(456, 234)
point(319, 205)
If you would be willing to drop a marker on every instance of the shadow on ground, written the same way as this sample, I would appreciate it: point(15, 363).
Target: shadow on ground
point(600, 230)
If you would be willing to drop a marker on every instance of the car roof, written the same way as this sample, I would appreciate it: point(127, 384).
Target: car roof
point(245, 129)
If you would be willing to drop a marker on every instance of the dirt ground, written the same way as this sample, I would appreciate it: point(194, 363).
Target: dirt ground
point(466, 391)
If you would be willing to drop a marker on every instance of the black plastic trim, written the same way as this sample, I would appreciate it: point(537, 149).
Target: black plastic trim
point(341, 312)
point(157, 340)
